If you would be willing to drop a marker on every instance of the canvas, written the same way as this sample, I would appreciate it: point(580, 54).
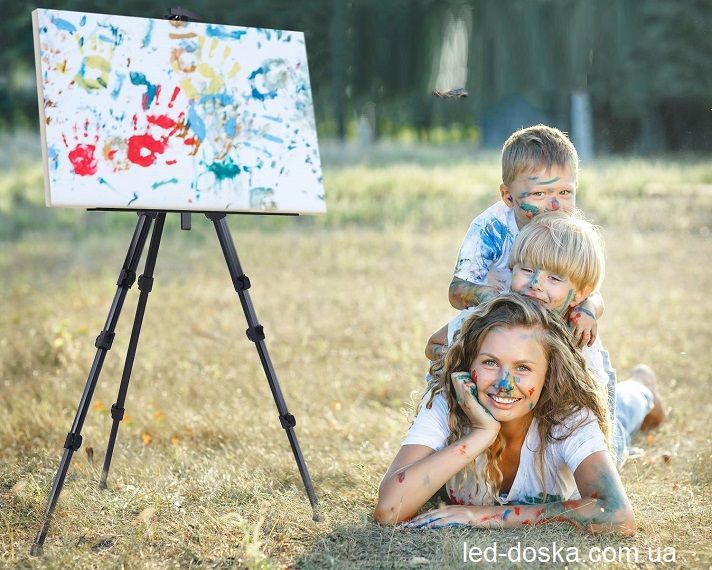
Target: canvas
point(141, 113)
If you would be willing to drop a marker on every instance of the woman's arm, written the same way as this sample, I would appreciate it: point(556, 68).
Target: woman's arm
point(603, 506)
point(417, 472)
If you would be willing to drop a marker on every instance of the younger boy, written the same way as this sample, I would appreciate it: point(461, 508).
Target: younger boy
point(558, 260)
point(539, 174)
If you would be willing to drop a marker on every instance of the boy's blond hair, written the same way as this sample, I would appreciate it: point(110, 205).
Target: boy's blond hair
point(564, 244)
point(533, 148)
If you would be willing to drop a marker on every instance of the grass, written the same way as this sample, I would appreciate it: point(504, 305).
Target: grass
point(202, 473)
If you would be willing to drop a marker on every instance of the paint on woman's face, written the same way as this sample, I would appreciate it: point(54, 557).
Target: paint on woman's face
point(506, 384)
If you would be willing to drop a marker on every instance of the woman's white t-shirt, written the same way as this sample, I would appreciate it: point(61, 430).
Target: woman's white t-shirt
point(561, 458)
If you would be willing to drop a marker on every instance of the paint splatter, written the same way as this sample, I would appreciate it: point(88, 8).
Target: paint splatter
point(142, 149)
point(83, 159)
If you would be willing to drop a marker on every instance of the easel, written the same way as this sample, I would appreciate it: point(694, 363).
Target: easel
point(103, 343)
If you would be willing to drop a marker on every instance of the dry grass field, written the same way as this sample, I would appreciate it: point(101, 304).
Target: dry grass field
point(202, 473)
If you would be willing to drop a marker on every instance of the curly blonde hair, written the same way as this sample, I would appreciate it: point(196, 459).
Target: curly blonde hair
point(568, 385)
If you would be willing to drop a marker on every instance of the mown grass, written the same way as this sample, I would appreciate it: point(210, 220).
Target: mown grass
point(203, 475)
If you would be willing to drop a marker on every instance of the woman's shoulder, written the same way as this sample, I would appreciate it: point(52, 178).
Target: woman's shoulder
point(581, 420)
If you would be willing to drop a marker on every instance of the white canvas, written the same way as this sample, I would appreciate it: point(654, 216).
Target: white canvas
point(155, 114)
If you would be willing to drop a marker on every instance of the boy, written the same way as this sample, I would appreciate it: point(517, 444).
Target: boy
point(539, 174)
point(558, 260)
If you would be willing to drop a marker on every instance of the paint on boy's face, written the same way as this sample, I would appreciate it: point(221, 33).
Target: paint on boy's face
point(542, 191)
point(555, 291)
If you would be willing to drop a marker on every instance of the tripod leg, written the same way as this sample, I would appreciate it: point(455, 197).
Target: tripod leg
point(256, 334)
point(145, 284)
point(103, 345)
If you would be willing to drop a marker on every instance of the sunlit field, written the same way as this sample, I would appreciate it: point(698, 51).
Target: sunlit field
point(203, 474)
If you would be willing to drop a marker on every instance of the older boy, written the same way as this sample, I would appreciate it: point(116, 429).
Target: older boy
point(539, 174)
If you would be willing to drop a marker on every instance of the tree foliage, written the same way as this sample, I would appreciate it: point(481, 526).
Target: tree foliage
point(647, 64)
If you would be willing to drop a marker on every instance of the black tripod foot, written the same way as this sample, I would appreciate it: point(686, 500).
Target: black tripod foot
point(36, 550)
point(317, 516)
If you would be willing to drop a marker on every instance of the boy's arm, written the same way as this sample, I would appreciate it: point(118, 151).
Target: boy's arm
point(437, 344)
point(584, 317)
point(594, 302)
point(464, 294)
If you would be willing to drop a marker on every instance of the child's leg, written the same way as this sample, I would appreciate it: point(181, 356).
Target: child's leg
point(638, 406)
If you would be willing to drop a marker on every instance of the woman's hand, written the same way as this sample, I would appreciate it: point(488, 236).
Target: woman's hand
point(466, 394)
point(453, 515)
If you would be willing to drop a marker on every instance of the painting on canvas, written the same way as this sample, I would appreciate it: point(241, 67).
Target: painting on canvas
point(141, 113)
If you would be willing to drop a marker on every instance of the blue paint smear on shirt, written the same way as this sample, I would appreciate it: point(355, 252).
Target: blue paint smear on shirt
point(492, 238)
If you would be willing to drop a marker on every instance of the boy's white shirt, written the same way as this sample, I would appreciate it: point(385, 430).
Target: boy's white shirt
point(484, 254)
point(561, 458)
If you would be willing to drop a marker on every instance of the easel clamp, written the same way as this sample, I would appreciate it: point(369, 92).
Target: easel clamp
point(242, 283)
point(105, 340)
point(126, 278)
point(287, 421)
point(73, 441)
point(145, 283)
point(117, 413)
point(256, 333)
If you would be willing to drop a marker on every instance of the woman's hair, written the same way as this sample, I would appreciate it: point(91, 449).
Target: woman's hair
point(568, 386)
point(565, 244)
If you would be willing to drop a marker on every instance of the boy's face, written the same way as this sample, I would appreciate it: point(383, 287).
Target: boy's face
point(556, 292)
point(532, 193)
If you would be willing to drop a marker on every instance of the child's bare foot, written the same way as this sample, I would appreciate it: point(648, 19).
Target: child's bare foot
point(643, 374)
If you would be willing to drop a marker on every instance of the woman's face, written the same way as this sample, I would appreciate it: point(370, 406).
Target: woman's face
point(509, 371)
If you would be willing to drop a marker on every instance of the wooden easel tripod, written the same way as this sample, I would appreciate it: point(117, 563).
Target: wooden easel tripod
point(103, 343)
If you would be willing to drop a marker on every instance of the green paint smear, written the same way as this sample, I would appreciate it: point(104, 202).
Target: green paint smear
point(533, 210)
point(562, 309)
point(224, 170)
point(544, 182)
point(162, 182)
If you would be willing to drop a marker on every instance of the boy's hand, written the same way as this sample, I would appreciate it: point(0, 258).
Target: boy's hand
point(582, 321)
